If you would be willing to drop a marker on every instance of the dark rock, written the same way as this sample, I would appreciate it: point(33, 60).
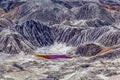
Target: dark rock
point(110, 2)
point(85, 65)
point(9, 5)
point(30, 63)
point(37, 33)
point(88, 50)
point(62, 3)
point(97, 23)
point(19, 67)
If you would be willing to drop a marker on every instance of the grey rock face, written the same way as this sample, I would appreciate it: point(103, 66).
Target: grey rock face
point(38, 34)
point(97, 23)
point(45, 11)
point(14, 43)
point(75, 37)
point(110, 39)
point(9, 5)
point(65, 35)
point(92, 10)
point(56, 12)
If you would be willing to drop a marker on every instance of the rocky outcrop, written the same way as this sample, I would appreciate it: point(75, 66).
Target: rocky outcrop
point(92, 11)
point(88, 50)
point(38, 34)
point(110, 39)
point(8, 5)
point(13, 43)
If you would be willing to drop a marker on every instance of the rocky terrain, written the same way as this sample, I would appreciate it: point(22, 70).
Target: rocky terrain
point(59, 39)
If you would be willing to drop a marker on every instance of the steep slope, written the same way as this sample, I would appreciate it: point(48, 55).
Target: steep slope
point(94, 11)
point(13, 43)
point(8, 5)
point(101, 39)
point(38, 34)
